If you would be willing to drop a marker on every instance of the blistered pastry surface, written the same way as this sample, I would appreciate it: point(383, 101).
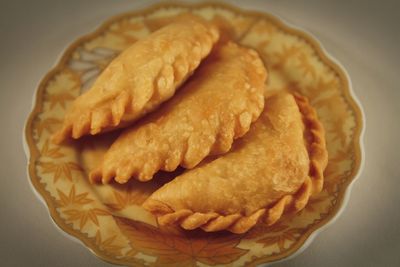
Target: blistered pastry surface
point(140, 78)
point(215, 107)
point(268, 166)
point(109, 219)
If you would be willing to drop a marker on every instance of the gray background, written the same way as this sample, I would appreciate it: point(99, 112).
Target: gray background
point(363, 36)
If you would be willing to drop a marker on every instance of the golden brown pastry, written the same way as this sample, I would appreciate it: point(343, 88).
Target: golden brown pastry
point(218, 104)
point(140, 78)
point(276, 166)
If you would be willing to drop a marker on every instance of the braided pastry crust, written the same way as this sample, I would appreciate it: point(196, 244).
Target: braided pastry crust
point(263, 191)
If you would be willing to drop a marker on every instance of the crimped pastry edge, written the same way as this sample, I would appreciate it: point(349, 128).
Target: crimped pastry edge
point(236, 130)
point(110, 116)
point(239, 223)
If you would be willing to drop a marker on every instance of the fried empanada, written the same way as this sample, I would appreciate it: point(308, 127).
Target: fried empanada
point(218, 104)
point(276, 166)
point(140, 78)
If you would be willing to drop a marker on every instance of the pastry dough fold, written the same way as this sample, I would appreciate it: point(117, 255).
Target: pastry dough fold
point(140, 78)
point(275, 167)
point(215, 107)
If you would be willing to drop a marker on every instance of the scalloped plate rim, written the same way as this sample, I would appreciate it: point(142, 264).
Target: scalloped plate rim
point(349, 188)
point(324, 224)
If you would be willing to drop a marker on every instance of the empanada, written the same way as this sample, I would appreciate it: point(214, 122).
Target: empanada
point(216, 106)
point(140, 78)
point(276, 166)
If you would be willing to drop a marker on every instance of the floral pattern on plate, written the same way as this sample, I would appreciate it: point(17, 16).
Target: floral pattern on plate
point(109, 219)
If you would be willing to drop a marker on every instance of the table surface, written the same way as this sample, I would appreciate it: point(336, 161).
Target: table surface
point(363, 36)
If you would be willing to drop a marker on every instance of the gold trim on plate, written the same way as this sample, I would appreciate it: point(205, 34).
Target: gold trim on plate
point(62, 64)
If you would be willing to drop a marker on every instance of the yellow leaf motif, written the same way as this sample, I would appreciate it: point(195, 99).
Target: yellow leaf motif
point(332, 169)
point(51, 152)
point(107, 244)
point(331, 185)
point(306, 66)
point(333, 173)
point(322, 85)
point(83, 216)
point(154, 24)
point(295, 64)
point(126, 198)
point(331, 177)
point(336, 131)
point(261, 48)
point(125, 28)
point(131, 253)
point(183, 249)
point(314, 203)
point(48, 124)
point(122, 200)
point(267, 29)
point(281, 238)
point(235, 27)
point(59, 98)
point(73, 198)
point(287, 52)
point(60, 169)
point(262, 229)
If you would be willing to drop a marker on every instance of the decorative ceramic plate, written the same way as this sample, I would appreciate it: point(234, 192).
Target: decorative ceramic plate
point(109, 219)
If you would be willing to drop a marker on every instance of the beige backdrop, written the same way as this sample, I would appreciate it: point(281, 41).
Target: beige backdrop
point(362, 36)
